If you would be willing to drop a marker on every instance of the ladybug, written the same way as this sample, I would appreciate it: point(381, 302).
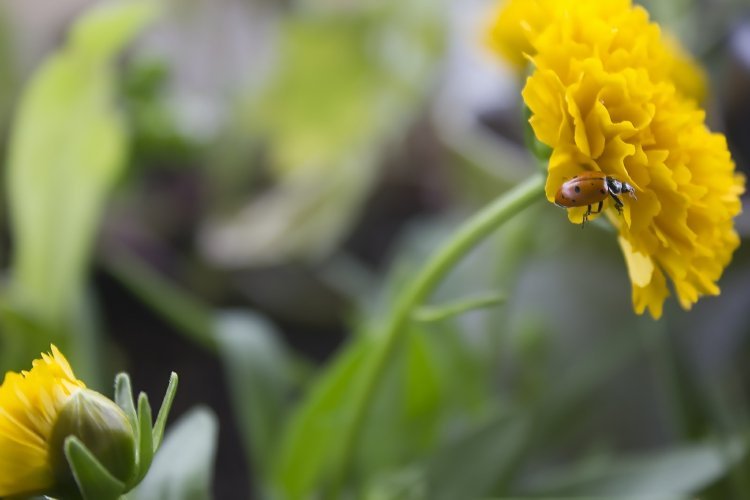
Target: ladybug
point(589, 188)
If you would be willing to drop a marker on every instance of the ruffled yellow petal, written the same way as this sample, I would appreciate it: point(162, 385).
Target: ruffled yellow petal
point(512, 29)
point(651, 296)
point(640, 266)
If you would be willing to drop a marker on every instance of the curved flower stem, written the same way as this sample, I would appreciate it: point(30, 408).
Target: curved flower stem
point(471, 233)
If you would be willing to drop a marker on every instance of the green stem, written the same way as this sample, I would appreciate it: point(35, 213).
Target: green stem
point(471, 233)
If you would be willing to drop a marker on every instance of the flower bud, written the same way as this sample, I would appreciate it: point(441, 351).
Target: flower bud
point(102, 427)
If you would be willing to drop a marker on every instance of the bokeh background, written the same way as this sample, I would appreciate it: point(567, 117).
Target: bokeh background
point(290, 164)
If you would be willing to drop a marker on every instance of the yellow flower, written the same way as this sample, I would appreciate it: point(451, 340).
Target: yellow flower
point(29, 405)
point(514, 26)
point(514, 30)
point(604, 96)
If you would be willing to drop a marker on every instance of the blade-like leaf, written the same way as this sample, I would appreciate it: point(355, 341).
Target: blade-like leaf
point(422, 390)
point(67, 147)
point(166, 405)
point(124, 399)
point(94, 481)
point(407, 411)
point(258, 369)
point(183, 468)
point(681, 471)
point(312, 441)
point(470, 467)
point(145, 437)
point(487, 458)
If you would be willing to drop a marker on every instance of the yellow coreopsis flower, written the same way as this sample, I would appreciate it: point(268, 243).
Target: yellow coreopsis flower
point(608, 93)
point(30, 402)
point(518, 23)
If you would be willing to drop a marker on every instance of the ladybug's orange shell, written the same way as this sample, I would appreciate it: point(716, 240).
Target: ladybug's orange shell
point(587, 188)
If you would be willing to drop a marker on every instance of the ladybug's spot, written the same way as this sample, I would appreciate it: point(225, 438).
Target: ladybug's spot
point(602, 191)
point(578, 189)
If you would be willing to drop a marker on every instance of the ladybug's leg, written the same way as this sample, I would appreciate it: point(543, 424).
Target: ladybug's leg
point(589, 212)
point(618, 203)
point(586, 216)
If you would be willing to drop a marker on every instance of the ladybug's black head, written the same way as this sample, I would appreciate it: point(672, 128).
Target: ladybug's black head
point(618, 187)
point(627, 188)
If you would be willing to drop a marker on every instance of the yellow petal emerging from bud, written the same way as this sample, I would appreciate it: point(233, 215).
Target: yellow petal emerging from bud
point(30, 402)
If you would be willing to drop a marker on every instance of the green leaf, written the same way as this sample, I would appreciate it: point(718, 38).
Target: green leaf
point(105, 30)
point(145, 438)
point(259, 371)
point(94, 481)
point(166, 406)
point(487, 457)
point(680, 471)
point(408, 408)
point(558, 412)
point(67, 148)
point(403, 484)
point(124, 399)
point(422, 390)
point(453, 356)
point(470, 466)
point(183, 468)
point(311, 440)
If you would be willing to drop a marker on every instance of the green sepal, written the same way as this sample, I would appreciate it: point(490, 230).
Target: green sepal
point(145, 438)
point(541, 151)
point(166, 405)
point(93, 480)
point(124, 399)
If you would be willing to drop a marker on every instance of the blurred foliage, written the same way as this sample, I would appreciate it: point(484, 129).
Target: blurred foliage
point(155, 133)
point(9, 81)
point(68, 146)
point(526, 375)
point(347, 84)
point(260, 376)
point(182, 468)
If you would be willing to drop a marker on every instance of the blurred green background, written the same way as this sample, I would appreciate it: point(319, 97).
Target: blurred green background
point(235, 190)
